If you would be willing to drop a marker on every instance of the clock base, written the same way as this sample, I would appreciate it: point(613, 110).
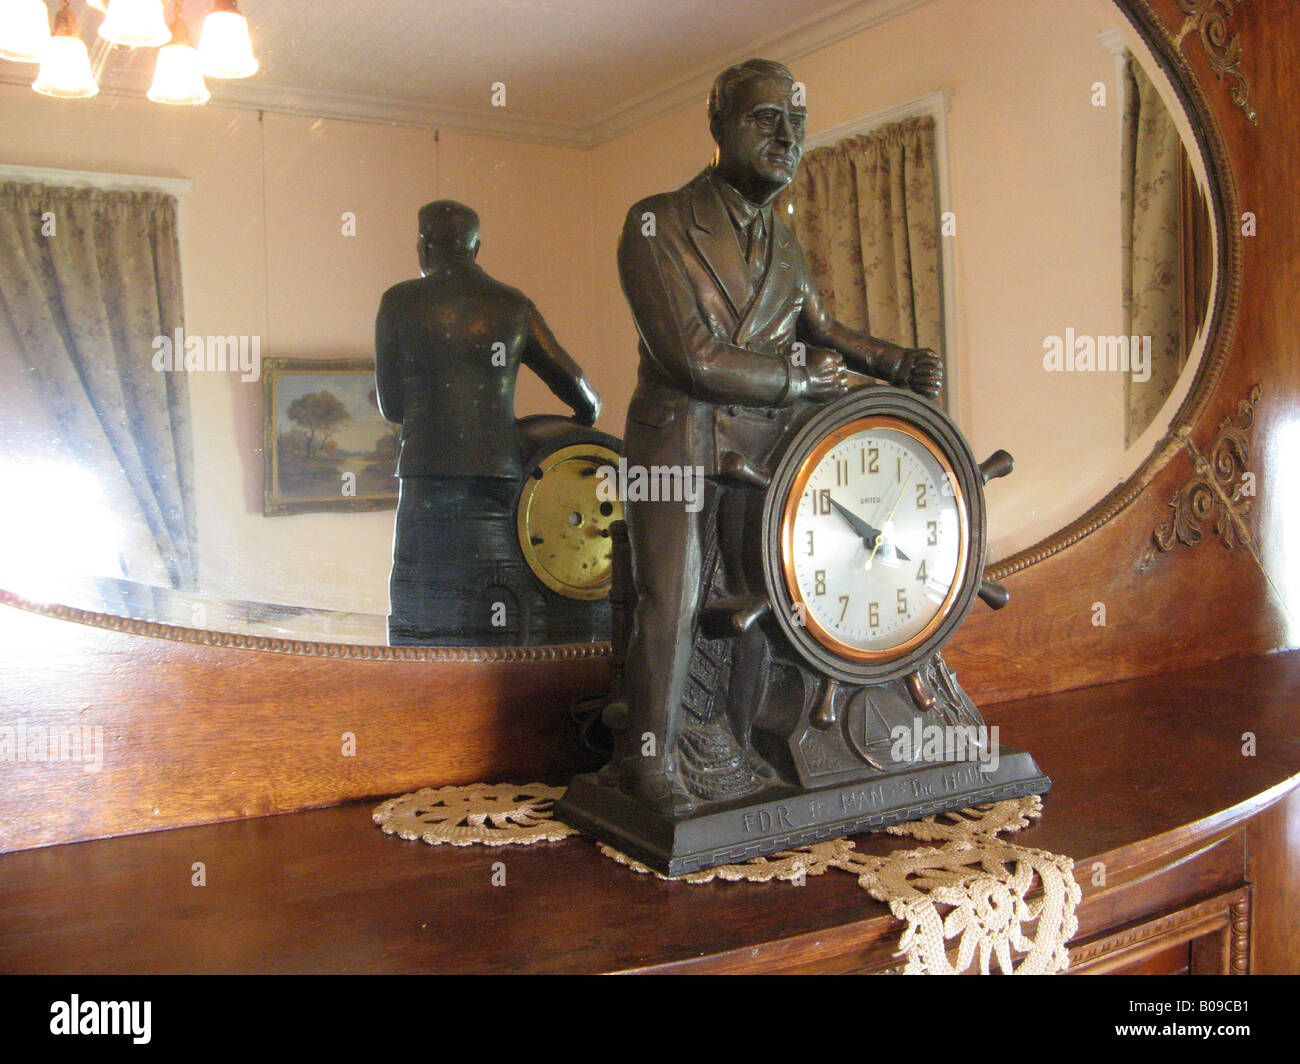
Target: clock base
point(782, 817)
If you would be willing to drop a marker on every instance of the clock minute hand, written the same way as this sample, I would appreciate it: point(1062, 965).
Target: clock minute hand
point(870, 536)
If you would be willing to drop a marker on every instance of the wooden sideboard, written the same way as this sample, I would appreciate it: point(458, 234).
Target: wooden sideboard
point(209, 734)
point(1199, 844)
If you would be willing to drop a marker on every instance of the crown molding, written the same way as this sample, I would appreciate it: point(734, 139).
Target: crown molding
point(788, 45)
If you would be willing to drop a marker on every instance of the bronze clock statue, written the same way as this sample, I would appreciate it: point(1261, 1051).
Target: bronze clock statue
point(776, 642)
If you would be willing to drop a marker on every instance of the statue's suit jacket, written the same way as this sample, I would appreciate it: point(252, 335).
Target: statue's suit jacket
point(448, 348)
point(715, 348)
point(715, 375)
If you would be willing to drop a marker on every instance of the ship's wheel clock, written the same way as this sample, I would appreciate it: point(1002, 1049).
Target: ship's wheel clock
point(858, 549)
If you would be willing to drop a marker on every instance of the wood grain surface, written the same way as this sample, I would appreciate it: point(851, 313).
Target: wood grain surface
point(194, 734)
point(1149, 781)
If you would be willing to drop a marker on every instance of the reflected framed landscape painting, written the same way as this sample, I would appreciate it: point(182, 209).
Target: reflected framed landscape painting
point(326, 446)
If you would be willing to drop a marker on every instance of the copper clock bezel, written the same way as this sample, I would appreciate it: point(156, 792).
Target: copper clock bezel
point(794, 494)
point(806, 436)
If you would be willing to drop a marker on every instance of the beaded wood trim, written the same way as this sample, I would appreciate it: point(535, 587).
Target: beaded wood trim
point(308, 648)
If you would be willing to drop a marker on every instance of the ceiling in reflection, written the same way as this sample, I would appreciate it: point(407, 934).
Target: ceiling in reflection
point(434, 62)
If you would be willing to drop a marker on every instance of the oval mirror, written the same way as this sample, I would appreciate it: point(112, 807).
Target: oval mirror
point(1042, 221)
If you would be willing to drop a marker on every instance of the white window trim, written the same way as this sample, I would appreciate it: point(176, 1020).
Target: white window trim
point(174, 186)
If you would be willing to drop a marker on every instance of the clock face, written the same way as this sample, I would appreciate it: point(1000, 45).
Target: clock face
point(875, 539)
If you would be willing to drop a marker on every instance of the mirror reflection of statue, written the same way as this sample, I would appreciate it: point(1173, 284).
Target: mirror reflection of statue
point(448, 347)
point(735, 342)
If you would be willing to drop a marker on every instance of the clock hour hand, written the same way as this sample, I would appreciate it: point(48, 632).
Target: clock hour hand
point(856, 523)
point(870, 536)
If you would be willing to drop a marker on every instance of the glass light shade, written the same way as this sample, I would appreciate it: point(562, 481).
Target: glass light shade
point(135, 24)
point(178, 77)
point(65, 70)
point(224, 46)
point(24, 30)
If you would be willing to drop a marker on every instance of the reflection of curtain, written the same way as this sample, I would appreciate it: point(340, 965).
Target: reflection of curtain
point(866, 213)
point(1164, 237)
point(88, 279)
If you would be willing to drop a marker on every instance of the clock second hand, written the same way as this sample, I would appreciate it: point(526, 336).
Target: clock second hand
point(901, 488)
point(869, 535)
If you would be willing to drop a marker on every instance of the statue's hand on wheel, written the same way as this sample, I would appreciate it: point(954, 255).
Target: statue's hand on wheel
point(827, 376)
point(921, 371)
point(587, 408)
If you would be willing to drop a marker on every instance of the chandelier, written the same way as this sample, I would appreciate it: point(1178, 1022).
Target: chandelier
point(224, 49)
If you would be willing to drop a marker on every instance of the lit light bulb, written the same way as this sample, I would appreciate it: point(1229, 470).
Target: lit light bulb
point(224, 45)
point(135, 24)
point(24, 30)
point(178, 77)
point(65, 63)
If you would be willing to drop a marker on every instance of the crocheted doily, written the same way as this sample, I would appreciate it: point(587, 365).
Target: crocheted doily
point(502, 815)
point(968, 901)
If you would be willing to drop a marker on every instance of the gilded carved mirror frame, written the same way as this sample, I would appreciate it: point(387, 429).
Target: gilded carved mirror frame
point(1207, 24)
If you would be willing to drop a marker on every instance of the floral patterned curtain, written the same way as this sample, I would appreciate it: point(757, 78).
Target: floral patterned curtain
point(88, 279)
point(1154, 172)
point(866, 213)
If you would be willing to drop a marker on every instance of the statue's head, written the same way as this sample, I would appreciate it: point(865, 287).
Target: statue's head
point(757, 117)
point(448, 230)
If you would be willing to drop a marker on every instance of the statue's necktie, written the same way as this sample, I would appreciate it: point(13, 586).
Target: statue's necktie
point(756, 253)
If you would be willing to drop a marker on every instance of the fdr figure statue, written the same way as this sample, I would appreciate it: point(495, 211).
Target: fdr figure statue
point(735, 341)
point(448, 347)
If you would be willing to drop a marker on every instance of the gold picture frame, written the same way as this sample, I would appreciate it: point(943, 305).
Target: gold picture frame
point(326, 447)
